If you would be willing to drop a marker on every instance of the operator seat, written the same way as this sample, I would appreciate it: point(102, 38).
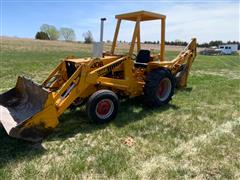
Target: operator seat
point(142, 59)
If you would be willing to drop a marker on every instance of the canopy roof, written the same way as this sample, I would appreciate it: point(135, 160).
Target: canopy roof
point(143, 15)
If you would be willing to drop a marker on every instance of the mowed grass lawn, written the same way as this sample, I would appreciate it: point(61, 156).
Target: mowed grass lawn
point(196, 136)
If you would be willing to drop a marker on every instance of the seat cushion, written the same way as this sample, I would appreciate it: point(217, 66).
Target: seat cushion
point(143, 56)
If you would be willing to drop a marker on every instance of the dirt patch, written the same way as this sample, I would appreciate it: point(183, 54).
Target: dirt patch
point(129, 141)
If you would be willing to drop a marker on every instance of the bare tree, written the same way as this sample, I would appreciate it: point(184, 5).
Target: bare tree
point(88, 37)
point(51, 31)
point(68, 34)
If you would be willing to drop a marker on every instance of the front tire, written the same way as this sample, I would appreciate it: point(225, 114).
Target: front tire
point(102, 106)
point(159, 87)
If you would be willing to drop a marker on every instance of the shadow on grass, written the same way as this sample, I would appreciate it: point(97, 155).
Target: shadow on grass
point(72, 123)
point(128, 113)
point(188, 89)
point(14, 149)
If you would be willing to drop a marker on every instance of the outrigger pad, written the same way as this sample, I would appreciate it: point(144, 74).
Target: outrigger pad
point(20, 104)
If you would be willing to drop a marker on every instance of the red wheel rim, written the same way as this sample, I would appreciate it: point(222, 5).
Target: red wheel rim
point(104, 108)
point(164, 89)
point(161, 88)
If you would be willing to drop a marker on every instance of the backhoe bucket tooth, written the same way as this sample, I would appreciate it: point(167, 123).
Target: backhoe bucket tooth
point(23, 111)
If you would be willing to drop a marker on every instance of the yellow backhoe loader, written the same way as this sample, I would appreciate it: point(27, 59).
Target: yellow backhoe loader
point(30, 110)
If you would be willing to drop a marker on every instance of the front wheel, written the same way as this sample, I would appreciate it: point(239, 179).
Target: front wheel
point(159, 87)
point(102, 106)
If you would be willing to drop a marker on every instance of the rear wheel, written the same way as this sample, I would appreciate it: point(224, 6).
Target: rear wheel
point(159, 87)
point(102, 106)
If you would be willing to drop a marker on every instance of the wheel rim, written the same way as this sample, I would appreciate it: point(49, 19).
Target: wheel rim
point(164, 89)
point(104, 108)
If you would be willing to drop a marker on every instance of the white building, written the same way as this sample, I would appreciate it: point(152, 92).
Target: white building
point(228, 48)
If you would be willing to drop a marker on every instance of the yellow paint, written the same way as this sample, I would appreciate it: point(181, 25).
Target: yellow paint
point(95, 74)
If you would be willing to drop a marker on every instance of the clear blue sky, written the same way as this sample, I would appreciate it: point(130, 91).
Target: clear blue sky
point(206, 20)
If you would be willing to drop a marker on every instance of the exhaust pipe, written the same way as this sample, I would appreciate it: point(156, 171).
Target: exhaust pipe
point(102, 28)
point(97, 51)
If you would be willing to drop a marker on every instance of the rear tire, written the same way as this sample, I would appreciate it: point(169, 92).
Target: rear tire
point(159, 87)
point(102, 106)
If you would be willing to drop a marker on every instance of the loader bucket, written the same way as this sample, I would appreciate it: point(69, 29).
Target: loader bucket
point(25, 109)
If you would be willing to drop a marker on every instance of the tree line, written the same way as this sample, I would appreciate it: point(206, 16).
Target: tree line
point(50, 32)
point(184, 43)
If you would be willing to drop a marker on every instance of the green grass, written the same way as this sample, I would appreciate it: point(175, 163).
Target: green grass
point(196, 136)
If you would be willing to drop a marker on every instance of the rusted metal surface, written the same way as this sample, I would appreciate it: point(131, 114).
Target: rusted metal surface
point(19, 105)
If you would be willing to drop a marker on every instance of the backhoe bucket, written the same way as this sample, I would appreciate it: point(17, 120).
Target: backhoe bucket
point(27, 111)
